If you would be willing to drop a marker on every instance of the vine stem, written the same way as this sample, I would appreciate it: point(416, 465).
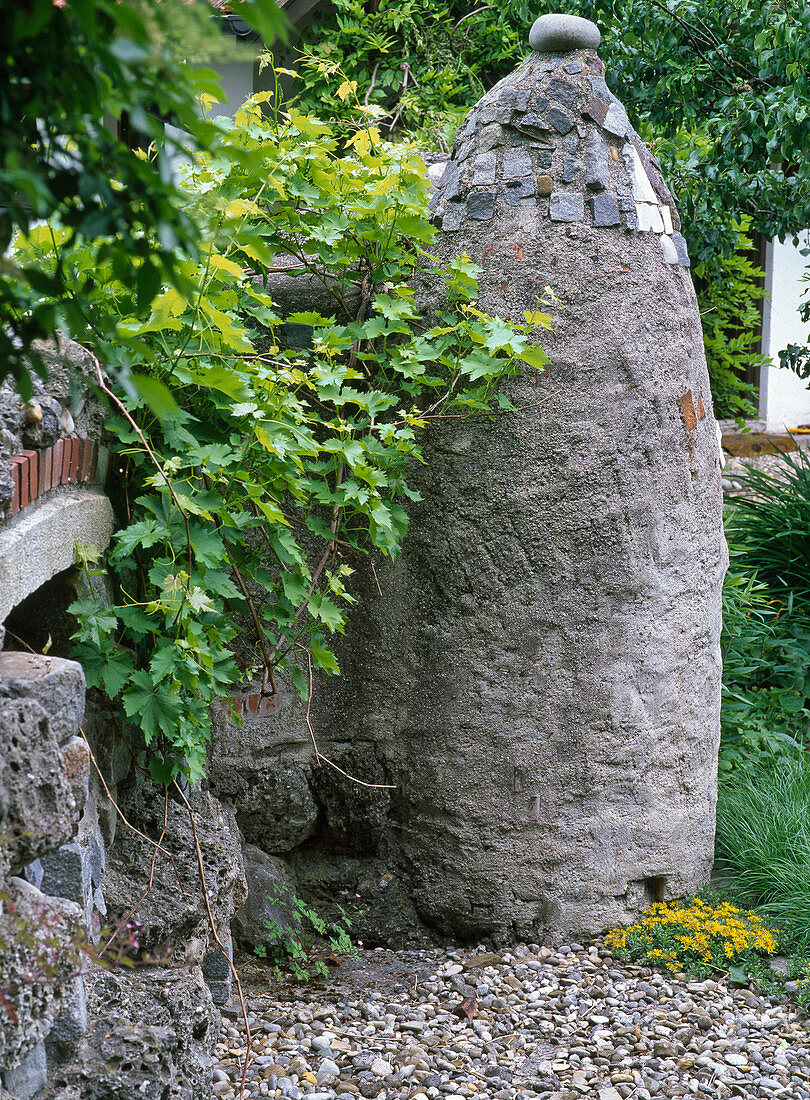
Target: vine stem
point(146, 892)
point(218, 941)
point(268, 667)
point(319, 756)
point(157, 846)
point(133, 424)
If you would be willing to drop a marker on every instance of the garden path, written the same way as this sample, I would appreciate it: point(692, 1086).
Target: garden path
point(561, 1024)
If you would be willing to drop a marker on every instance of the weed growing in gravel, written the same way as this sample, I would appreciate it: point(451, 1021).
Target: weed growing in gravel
point(698, 938)
point(303, 943)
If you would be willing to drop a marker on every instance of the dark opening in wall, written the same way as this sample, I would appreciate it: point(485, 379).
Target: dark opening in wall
point(41, 622)
point(655, 888)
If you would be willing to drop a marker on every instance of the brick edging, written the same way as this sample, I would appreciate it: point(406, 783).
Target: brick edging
point(67, 462)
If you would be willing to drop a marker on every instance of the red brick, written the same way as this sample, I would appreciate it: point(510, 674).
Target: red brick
point(268, 705)
point(85, 455)
point(67, 447)
point(56, 471)
point(74, 461)
point(45, 469)
point(14, 467)
point(21, 465)
point(33, 474)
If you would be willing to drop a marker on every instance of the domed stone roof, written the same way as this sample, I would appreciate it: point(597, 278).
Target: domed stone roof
point(553, 138)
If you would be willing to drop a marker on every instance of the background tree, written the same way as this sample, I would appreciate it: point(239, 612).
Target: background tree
point(72, 72)
point(717, 88)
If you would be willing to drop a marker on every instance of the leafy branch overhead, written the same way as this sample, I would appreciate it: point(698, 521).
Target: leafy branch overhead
point(272, 470)
point(76, 75)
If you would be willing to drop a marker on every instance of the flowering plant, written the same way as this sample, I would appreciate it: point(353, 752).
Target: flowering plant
point(698, 938)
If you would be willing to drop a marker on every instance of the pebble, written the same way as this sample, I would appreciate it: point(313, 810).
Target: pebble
point(551, 1024)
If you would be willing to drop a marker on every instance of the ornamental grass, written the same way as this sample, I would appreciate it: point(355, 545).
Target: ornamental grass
point(698, 938)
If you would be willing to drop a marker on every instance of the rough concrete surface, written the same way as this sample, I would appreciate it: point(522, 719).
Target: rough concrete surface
point(542, 672)
point(38, 542)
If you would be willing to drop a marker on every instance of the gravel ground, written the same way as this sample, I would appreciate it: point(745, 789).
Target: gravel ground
point(553, 1025)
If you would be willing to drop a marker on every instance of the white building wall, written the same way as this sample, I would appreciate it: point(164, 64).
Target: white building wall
point(784, 397)
point(236, 81)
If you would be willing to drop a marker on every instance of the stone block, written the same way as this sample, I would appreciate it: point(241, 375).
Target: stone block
point(604, 209)
point(220, 990)
point(25, 1080)
point(544, 158)
point(37, 808)
point(215, 963)
point(649, 218)
point(517, 163)
point(616, 121)
point(481, 205)
point(451, 222)
point(70, 1025)
point(97, 856)
point(484, 169)
point(67, 873)
point(152, 1033)
point(56, 684)
point(271, 888)
point(668, 250)
point(567, 207)
point(33, 873)
point(563, 91)
point(76, 764)
point(534, 125)
point(682, 250)
point(573, 67)
point(571, 169)
point(559, 120)
point(168, 916)
point(520, 192)
point(597, 165)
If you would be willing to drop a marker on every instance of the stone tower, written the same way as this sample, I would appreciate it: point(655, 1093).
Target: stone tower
point(541, 675)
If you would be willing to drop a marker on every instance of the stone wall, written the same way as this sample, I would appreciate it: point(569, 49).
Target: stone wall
point(72, 870)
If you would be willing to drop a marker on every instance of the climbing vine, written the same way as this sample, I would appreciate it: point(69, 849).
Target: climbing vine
point(263, 455)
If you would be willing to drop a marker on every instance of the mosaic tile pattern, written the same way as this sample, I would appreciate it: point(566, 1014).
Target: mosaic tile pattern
point(552, 136)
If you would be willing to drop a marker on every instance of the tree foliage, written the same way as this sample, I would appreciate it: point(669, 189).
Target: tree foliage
point(71, 72)
point(272, 469)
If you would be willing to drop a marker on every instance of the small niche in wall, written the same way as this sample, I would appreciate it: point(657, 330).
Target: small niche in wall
point(655, 889)
point(41, 621)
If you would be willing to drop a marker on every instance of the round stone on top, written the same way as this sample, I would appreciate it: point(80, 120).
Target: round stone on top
point(563, 33)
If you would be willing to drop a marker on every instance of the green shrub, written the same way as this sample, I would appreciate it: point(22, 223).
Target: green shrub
point(698, 938)
point(729, 293)
point(763, 840)
point(304, 943)
point(771, 526)
point(765, 707)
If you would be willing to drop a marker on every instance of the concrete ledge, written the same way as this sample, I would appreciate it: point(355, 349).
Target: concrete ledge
point(38, 542)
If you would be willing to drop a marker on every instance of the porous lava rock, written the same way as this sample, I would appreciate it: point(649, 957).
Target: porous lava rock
point(173, 914)
point(151, 1037)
